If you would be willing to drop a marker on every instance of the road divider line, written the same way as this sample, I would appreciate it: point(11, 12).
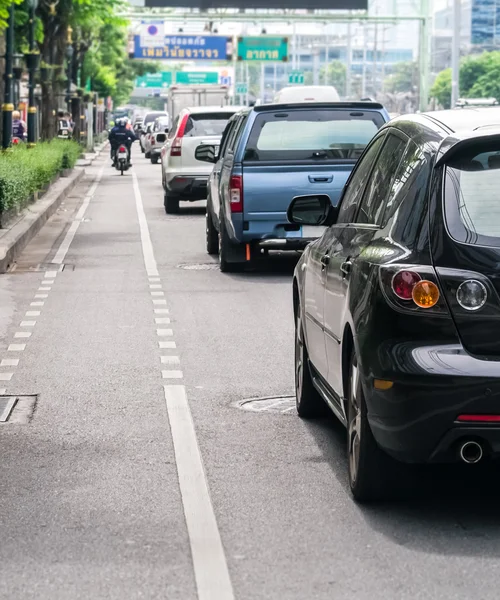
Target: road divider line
point(167, 345)
point(16, 347)
point(147, 246)
point(9, 362)
point(22, 334)
point(33, 313)
point(209, 561)
point(161, 311)
point(6, 376)
point(28, 323)
point(159, 301)
point(170, 360)
point(70, 234)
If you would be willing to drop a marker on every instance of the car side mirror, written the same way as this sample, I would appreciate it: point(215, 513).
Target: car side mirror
point(161, 138)
point(206, 153)
point(167, 129)
point(315, 209)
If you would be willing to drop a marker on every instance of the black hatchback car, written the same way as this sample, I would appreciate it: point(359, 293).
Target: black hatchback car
point(397, 305)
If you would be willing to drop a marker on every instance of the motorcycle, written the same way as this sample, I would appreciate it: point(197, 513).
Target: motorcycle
point(121, 160)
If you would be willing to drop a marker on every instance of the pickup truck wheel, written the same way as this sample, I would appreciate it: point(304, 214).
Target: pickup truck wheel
point(231, 256)
point(154, 159)
point(171, 204)
point(212, 235)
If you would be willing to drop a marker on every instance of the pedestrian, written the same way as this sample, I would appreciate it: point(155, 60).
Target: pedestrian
point(18, 126)
point(64, 129)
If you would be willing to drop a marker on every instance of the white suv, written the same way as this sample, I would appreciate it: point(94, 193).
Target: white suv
point(183, 176)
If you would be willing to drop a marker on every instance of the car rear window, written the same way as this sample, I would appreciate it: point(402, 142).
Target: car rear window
point(150, 117)
point(472, 207)
point(207, 124)
point(312, 134)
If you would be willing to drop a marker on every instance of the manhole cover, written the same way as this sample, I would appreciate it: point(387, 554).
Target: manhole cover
point(270, 404)
point(200, 267)
point(17, 409)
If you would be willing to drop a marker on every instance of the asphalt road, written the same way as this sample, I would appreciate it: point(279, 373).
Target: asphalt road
point(112, 491)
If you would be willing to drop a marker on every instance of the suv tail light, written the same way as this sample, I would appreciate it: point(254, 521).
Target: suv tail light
point(176, 149)
point(236, 193)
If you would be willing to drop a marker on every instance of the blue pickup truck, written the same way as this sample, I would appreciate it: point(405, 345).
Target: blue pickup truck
point(268, 155)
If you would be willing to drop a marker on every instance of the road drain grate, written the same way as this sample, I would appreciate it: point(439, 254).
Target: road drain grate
point(41, 268)
point(200, 267)
point(284, 405)
point(17, 409)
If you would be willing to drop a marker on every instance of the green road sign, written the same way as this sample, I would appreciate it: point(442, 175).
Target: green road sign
point(197, 77)
point(296, 77)
point(154, 80)
point(263, 48)
point(241, 88)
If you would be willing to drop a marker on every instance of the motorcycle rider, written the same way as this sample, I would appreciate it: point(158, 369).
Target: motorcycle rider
point(121, 135)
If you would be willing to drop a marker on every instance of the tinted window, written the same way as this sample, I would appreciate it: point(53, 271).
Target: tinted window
point(408, 189)
point(225, 136)
point(236, 133)
point(206, 124)
point(471, 189)
point(312, 134)
point(173, 129)
point(357, 183)
point(373, 203)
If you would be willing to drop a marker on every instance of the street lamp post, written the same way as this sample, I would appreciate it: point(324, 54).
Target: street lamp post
point(69, 56)
point(8, 104)
point(31, 60)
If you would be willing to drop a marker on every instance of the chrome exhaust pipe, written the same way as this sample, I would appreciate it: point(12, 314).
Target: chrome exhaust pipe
point(471, 452)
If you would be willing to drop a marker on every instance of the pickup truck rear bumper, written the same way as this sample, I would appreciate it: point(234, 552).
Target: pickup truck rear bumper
point(283, 243)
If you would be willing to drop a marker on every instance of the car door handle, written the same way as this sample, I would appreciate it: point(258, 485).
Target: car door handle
point(320, 179)
point(345, 267)
point(325, 261)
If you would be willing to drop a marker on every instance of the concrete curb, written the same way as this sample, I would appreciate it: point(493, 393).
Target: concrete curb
point(13, 242)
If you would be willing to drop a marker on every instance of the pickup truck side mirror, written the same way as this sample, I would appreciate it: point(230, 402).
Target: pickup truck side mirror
point(315, 209)
point(206, 153)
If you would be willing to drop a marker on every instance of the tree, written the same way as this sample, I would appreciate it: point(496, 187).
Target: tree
point(335, 74)
point(404, 78)
point(441, 90)
point(4, 11)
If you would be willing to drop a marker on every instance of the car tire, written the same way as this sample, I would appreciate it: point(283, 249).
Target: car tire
point(154, 159)
point(227, 250)
point(171, 204)
point(147, 154)
point(212, 235)
point(308, 401)
point(371, 471)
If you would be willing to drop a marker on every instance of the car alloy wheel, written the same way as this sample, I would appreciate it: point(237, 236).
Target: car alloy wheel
point(354, 425)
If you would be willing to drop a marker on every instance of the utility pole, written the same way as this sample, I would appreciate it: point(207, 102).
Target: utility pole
point(424, 55)
point(8, 105)
point(32, 59)
point(455, 54)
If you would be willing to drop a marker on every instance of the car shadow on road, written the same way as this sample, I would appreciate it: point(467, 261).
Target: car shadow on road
point(262, 268)
point(188, 209)
point(439, 509)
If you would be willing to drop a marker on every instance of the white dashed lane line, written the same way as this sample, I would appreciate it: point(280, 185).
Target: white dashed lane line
point(209, 561)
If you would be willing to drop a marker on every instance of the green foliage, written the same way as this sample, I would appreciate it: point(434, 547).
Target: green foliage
point(4, 11)
point(479, 78)
point(441, 90)
point(335, 74)
point(23, 171)
point(404, 78)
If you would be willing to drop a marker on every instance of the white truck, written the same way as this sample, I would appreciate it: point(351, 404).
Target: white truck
point(188, 96)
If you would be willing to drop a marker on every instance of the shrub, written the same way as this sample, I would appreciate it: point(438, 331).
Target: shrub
point(24, 171)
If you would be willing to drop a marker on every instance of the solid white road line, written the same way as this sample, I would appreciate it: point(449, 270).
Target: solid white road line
point(147, 246)
point(16, 347)
point(165, 345)
point(70, 234)
point(9, 362)
point(209, 561)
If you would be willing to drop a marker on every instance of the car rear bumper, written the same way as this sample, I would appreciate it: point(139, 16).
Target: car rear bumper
point(189, 187)
point(416, 420)
point(155, 151)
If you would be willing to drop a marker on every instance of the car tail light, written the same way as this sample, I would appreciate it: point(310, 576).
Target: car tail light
point(176, 149)
point(472, 294)
point(153, 141)
point(425, 294)
point(404, 282)
point(236, 193)
point(479, 418)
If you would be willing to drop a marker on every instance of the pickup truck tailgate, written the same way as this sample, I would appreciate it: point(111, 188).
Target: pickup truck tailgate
point(268, 190)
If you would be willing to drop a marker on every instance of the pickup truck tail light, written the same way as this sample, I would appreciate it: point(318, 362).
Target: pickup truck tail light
point(236, 193)
point(176, 149)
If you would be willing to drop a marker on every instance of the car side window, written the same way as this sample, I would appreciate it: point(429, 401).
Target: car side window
point(236, 133)
point(375, 197)
point(408, 187)
point(173, 130)
point(226, 135)
point(357, 182)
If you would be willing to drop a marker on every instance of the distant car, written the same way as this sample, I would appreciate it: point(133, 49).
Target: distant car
point(153, 142)
point(397, 305)
point(143, 137)
point(268, 155)
point(184, 177)
point(307, 93)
